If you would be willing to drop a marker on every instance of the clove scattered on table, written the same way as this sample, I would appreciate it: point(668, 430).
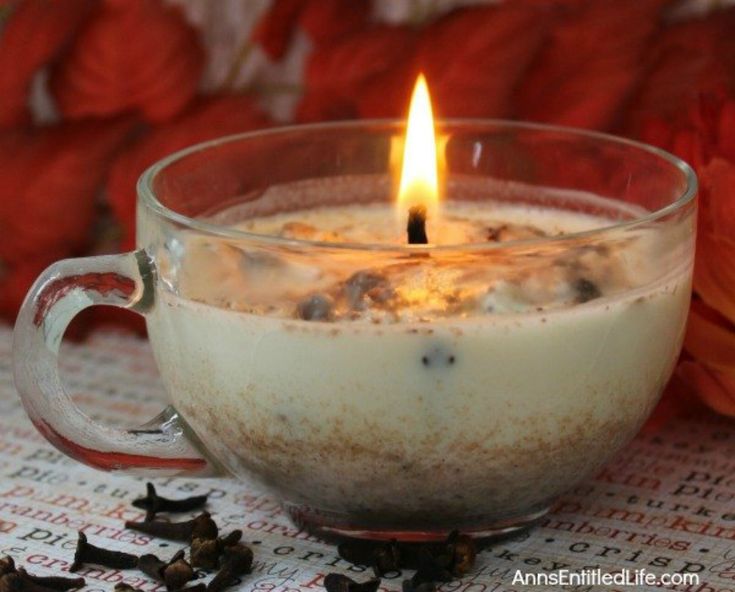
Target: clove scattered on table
point(87, 553)
point(431, 562)
point(153, 504)
point(202, 527)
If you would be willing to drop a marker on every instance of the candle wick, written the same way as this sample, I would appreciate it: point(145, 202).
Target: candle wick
point(416, 227)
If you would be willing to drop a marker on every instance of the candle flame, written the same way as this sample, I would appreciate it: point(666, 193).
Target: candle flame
point(419, 178)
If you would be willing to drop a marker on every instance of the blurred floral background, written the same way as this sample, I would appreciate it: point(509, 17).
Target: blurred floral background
point(94, 91)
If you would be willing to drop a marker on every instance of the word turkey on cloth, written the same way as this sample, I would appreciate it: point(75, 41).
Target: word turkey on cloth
point(666, 503)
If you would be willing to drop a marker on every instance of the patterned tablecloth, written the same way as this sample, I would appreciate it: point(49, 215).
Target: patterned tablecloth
point(666, 504)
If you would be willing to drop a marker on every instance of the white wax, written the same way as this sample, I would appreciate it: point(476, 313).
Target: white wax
point(489, 412)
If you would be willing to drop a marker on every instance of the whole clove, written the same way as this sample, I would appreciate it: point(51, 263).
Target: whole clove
point(434, 565)
point(318, 307)
point(30, 581)
point(201, 527)
point(382, 557)
point(87, 553)
point(175, 573)
point(205, 553)
point(230, 539)
point(152, 503)
point(14, 582)
point(237, 560)
point(586, 290)
point(335, 582)
point(367, 284)
point(357, 552)
point(151, 566)
point(59, 583)
point(410, 586)
point(433, 562)
point(463, 552)
point(7, 565)
point(386, 558)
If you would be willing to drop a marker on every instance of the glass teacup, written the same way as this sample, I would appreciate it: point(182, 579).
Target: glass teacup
point(370, 404)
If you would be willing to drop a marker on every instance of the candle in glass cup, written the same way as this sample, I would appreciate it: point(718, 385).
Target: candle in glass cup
point(430, 387)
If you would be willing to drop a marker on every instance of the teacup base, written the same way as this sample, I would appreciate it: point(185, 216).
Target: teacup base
point(331, 525)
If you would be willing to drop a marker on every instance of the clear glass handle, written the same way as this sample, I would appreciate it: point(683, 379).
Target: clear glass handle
point(163, 446)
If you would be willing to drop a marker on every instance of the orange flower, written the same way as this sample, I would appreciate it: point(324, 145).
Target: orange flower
point(210, 118)
point(34, 33)
point(132, 55)
point(710, 341)
point(704, 139)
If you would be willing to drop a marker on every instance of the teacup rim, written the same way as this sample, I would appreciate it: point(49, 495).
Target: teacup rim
point(147, 194)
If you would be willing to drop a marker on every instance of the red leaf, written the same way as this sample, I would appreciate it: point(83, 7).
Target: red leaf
point(345, 70)
point(322, 20)
point(702, 134)
point(349, 64)
point(710, 340)
point(324, 106)
point(210, 118)
point(689, 59)
point(678, 400)
point(34, 33)
point(715, 387)
point(276, 27)
point(49, 180)
point(474, 58)
point(717, 203)
point(138, 55)
point(325, 20)
point(17, 278)
point(591, 65)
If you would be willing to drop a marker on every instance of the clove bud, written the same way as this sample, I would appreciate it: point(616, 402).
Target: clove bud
point(202, 527)
point(237, 560)
point(410, 586)
point(30, 581)
point(335, 582)
point(177, 573)
point(59, 583)
point(152, 503)
point(87, 553)
point(463, 552)
point(205, 553)
point(7, 565)
point(586, 290)
point(386, 558)
point(13, 582)
point(174, 573)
